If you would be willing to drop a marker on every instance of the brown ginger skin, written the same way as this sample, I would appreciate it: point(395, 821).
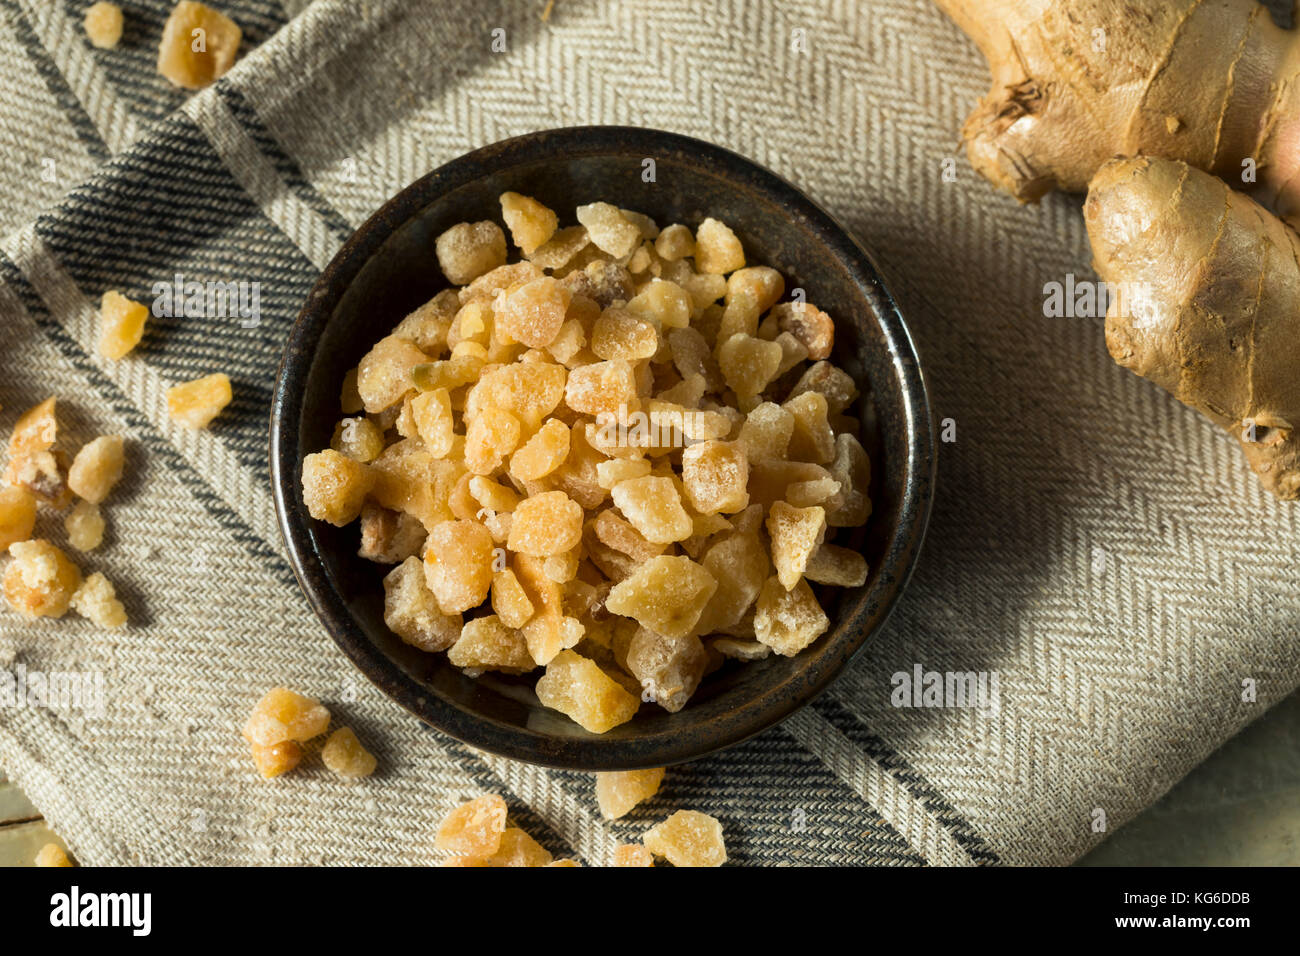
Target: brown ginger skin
point(1219, 327)
point(1077, 83)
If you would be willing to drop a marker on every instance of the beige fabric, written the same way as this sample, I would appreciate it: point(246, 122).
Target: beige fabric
point(1099, 546)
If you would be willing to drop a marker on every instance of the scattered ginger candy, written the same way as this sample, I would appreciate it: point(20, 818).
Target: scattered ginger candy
point(344, 754)
point(619, 791)
point(52, 855)
point(122, 322)
point(198, 45)
point(688, 838)
point(194, 404)
point(103, 24)
point(474, 828)
point(39, 580)
point(17, 515)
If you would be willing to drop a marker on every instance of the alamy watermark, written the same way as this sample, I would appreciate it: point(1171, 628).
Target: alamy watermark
point(213, 299)
point(957, 689)
point(660, 428)
point(1085, 299)
point(62, 691)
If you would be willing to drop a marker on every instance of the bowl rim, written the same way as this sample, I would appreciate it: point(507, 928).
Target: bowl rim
point(754, 715)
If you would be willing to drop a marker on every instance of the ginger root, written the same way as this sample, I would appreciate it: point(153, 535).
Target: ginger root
point(1074, 84)
point(1217, 321)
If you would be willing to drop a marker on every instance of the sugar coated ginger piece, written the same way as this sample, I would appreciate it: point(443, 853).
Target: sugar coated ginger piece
point(664, 303)
point(359, 438)
point(715, 475)
point(429, 324)
point(666, 595)
point(519, 849)
point(385, 373)
point(43, 474)
point(675, 242)
point(619, 791)
point(835, 385)
point(796, 533)
point(788, 620)
point(812, 439)
point(546, 524)
point(458, 563)
point(748, 364)
point(528, 390)
point(334, 486)
point(344, 754)
point(276, 759)
point(412, 612)
point(531, 224)
point(97, 468)
point(654, 507)
point(542, 453)
point(717, 250)
point(283, 714)
point(841, 567)
point(85, 526)
point(688, 838)
point(52, 855)
point(852, 469)
point(579, 689)
point(122, 319)
point(387, 536)
point(610, 473)
point(632, 854)
point(669, 669)
point(809, 324)
point(97, 601)
point(469, 250)
point(17, 515)
point(565, 863)
point(558, 251)
point(740, 565)
point(617, 533)
point(36, 429)
point(532, 313)
point(198, 45)
point(601, 388)
point(621, 334)
point(194, 404)
point(509, 599)
point(39, 580)
point(487, 644)
point(474, 828)
point(492, 435)
point(103, 24)
point(610, 230)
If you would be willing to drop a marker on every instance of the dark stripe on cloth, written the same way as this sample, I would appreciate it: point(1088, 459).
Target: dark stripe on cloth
point(141, 428)
point(778, 804)
point(289, 170)
point(54, 81)
point(848, 724)
point(169, 205)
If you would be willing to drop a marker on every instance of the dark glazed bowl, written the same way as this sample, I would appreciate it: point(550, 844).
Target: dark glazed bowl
point(388, 268)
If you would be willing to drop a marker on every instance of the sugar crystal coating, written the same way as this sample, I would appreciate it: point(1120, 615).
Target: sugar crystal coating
point(85, 526)
point(619, 791)
point(530, 223)
point(688, 838)
point(469, 250)
point(345, 755)
point(413, 613)
point(194, 404)
point(788, 620)
point(283, 714)
point(666, 595)
point(198, 45)
point(474, 828)
point(39, 580)
point(122, 320)
point(579, 689)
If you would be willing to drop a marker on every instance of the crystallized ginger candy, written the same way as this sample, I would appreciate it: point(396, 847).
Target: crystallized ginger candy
point(688, 838)
point(198, 45)
point(619, 791)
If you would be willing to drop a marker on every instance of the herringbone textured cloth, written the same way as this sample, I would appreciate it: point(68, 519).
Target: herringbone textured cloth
point(1099, 546)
